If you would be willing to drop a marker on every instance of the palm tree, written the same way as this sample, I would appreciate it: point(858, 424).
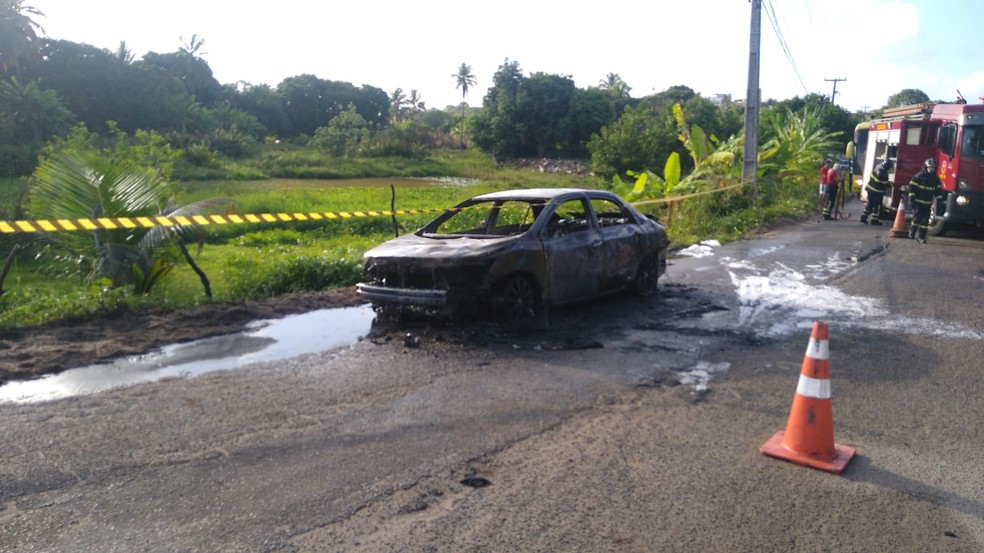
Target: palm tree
point(614, 84)
point(465, 80)
point(193, 46)
point(18, 37)
point(415, 101)
point(34, 115)
point(124, 53)
point(69, 186)
point(397, 101)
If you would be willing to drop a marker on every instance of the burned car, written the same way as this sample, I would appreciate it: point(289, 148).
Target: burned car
point(512, 254)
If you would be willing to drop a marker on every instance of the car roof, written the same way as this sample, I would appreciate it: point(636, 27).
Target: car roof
point(539, 193)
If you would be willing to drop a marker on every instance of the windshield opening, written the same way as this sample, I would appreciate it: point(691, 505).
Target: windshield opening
point(490, 218)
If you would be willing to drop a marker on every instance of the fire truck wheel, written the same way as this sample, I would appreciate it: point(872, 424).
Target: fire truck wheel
point(937, 226)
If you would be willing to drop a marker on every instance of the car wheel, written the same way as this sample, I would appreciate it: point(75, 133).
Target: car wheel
point(516, 299)
point(646, 282)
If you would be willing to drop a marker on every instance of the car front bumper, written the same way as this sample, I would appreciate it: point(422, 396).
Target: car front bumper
point(385, 295)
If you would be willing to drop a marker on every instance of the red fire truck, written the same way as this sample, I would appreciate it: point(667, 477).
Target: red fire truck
point(953, 134)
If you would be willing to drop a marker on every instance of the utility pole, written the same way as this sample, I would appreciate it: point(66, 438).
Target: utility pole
point(752, 101)
point(834, 94)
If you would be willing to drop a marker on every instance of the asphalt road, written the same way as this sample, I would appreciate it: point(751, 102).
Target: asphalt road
point(630, 425)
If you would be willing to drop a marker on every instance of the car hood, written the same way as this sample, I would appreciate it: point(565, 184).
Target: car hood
point(412, 246)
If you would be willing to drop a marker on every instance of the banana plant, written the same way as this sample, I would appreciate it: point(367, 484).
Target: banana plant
point(714, 162)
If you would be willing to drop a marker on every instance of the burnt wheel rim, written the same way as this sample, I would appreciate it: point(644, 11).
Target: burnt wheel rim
point(517, 298)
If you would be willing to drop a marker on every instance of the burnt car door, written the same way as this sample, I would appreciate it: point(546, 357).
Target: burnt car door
point(574, 256)
point(623, 243)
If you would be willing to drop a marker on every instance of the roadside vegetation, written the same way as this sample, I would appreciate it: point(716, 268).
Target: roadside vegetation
point(92, 133)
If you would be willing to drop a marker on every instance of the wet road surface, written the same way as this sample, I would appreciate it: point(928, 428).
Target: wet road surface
point(630, 425)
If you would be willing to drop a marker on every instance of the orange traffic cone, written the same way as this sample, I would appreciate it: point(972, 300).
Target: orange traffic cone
point(898, 227)
point(809, 436)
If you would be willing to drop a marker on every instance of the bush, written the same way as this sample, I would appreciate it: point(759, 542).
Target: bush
point(17, 159)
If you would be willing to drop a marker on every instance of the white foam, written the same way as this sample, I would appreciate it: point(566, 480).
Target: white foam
point(784, 300)
point(700, 376)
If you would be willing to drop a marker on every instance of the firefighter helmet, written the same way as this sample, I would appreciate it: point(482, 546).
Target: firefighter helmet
point(930, 163)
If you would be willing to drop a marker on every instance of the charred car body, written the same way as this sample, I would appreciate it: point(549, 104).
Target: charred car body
point(514, 253)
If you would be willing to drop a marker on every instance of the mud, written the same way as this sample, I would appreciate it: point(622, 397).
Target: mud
point(30, 353)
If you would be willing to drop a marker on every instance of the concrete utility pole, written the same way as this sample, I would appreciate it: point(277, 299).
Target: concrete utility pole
point(752, 101)
point(833, 95)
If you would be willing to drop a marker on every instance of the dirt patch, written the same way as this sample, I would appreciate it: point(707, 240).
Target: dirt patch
point(51, 349)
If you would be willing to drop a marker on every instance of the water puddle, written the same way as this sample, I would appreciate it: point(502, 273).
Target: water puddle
point(266, 340)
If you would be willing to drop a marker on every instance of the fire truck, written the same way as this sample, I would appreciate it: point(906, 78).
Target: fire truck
point(951, 133)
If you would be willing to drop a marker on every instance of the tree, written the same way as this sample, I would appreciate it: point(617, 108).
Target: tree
point(31, 114)
point(310, 102)
point(831, 117)
point(18, 33)
point(642, 138)
point(498, 129)
point(344, 135)
point(907, 97)
point(590, 110)
point(97, 87)
point(192, 71)
point(124, 53)
point(543, 106)
point(464, 80)
point(646, 134)
point(617, 92)
point(397, 102)
point(614, 85)
point(415, 101)
point(264, 103)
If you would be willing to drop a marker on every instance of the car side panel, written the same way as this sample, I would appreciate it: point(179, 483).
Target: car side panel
point(624, 248)
point(575, 265)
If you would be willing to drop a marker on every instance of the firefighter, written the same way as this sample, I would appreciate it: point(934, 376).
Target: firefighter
point(924, 189)
point(831, 183)
point(876, 186)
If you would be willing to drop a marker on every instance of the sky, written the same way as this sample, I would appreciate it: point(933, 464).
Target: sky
point(878, 47)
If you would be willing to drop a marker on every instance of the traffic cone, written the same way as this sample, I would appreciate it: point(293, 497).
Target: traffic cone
point(898, 228)
point(809, 436)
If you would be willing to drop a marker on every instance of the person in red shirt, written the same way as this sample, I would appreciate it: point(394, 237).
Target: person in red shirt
point(831, 183)
point(824, 169)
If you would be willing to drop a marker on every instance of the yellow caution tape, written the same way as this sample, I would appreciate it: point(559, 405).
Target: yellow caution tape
point(674, 199)
point(114, 223)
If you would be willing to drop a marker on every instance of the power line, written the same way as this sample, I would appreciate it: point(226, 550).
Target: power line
point(774, 20)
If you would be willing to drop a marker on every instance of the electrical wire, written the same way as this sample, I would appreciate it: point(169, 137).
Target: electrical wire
point(774, 20)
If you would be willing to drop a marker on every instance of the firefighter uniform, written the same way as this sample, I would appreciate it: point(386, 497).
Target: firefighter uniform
point(924, 188)
point(875, 189)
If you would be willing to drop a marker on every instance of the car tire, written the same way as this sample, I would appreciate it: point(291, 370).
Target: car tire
point(646, 281)
point(515, 299)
